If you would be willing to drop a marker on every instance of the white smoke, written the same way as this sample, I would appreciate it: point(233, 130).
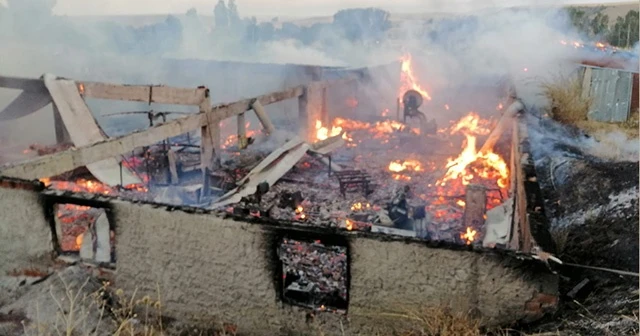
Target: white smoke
point(493, 44)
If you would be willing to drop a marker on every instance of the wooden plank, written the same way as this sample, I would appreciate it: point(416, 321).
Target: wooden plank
point(58, 163)
point(84, 131)
point(520, 204)
point(264, 118)
point(503, 125)
point(62, 135)
point(142, 93)
point(475, 207)
point(303, 115)
point(242, 132)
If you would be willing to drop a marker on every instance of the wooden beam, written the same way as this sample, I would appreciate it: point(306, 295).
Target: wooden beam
point(475, 206)
point(173, 166)
point(303, 114)
point(142, 93)
point(263, 117)
point(242, 132)
point(62, 135)
point(58, 163)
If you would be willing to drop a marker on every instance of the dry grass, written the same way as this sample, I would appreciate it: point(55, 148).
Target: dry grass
point(566, 103)
point(429, 322)
point(631, 127)
point(116, 314)
point(567, 106)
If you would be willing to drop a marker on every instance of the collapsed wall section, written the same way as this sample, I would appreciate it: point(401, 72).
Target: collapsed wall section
point(209, 267)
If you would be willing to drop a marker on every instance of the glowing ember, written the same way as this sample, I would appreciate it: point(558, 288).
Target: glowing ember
point(323, 133)
point(348, 224)
point(233, 138)
point(411, 165)
point(469, 235)
point(360, 206)
point(400, 177)
point(471, 163)
point(300, 213)
point(408, 79)
point(89, 186)
point(79, 240)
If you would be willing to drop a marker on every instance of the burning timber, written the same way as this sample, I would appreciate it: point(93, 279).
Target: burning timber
point(341, 218)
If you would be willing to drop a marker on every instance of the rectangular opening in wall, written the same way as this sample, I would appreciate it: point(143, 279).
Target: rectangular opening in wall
point(85, 231)
point(314, 274)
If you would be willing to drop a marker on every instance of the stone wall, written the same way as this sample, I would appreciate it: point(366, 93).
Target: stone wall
point(25, 233)
point(207, 266)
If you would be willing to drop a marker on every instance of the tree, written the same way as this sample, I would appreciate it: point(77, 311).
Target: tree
point(192, 12)
point(631, 22)
point(221, 15)
point(625, 31)
point(362, 24)
point(234, 18)
point(599, 24)
point(579, 19)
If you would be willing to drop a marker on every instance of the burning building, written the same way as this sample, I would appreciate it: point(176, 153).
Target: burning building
point(344, 214)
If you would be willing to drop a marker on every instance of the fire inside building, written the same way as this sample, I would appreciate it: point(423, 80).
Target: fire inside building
point(315, 198)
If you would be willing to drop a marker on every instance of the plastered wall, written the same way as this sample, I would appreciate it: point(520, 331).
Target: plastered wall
point(206, 266)
point(25, 234)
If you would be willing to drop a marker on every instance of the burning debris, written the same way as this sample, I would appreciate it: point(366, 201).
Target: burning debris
point(314, 275)
point(358, 174)
point(394, 175)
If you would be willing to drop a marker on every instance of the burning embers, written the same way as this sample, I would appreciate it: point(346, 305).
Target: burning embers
point(74, 221)
point(314, 275)
point(471, 164)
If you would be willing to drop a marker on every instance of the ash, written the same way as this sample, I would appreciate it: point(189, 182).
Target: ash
point(314, 274)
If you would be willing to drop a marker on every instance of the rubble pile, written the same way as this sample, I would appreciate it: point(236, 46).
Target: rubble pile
point(74, 221)
point(314, 274)
point(405, 187)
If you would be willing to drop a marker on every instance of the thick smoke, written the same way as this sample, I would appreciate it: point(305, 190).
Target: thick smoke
point(449, 52)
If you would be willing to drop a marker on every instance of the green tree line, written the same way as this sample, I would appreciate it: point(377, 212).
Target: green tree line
point(623, 33)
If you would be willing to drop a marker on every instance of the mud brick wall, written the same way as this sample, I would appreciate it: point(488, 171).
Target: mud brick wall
point(208, 267)
point(25, 234)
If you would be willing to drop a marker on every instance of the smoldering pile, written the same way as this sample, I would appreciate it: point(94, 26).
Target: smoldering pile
point(314, 274)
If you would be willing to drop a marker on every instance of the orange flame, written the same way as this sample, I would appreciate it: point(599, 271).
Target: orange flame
point(348, 224)
point(79, 240)
point(360, 206)
point(300, 212)
point(469, 235)
point(323, 133)
point(491, 164)
point(408, 79)
point(411, 165)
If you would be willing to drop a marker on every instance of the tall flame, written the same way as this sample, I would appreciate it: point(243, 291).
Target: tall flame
point(491, 165)
point(323, 133)
point(408, 79)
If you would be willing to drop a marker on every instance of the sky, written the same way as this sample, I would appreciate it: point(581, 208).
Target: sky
point(287, 8)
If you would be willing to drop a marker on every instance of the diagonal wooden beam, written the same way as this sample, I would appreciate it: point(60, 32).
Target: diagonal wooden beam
point(142, 93)
point(58, 163)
